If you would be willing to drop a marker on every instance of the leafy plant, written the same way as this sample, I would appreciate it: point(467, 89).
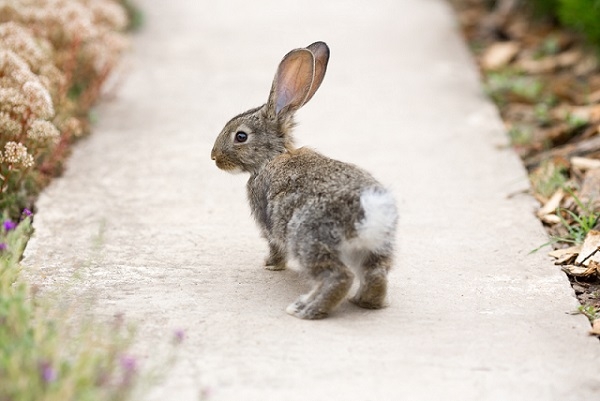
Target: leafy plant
point(590, 311)
point(581, 15)
point(545, 7)
point(575, 121)
point(578, 225)
point(542, 113)
point(550, 46)
point(520, 135)
point(548, 178)
point(503, 85)
point(134, 13)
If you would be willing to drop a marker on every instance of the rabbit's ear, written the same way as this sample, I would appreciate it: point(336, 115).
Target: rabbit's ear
point(292, 82)
point(320, 51)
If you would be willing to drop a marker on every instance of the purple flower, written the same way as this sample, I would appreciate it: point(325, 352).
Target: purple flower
point(47, 372)
point(129, 366)
point(128, 363)
point(178, 336)
point(3, 246)
point(9, 225)
point(26, 212)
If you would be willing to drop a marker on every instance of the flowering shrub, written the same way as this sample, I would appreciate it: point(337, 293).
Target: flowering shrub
point(44, 358)
point(55, 55)
point(46, 355)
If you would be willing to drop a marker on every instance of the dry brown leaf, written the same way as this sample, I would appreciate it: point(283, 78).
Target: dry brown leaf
point(557, 133)
point(579, 271)
point(567, 89)
point(588, 65)
point(566, 259)
point(553, 203)
point(595, 331)
point(499, 55)
point(573, 250)
point(550, 219)
point(541, 66)
point(565, 256)
point(594, 97)
point(585, 146)
point(585, 163)
point(569, 58)
point(590, 250)
point(590, 132)
point(595, 113)
point(586, 113)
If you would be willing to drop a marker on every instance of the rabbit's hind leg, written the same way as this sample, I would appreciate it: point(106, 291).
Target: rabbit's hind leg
point(373, 282)
point(332, 282)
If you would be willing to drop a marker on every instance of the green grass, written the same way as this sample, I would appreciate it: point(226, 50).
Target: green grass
point(548, 178)
point(520, 135)
point(577, 225)
point(581, 224)
point(590, 311)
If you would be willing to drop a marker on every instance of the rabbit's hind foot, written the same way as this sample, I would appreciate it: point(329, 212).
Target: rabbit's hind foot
point(373, 282)
point(331, 288)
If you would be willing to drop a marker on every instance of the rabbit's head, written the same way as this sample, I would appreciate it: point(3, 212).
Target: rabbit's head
point(252, 139)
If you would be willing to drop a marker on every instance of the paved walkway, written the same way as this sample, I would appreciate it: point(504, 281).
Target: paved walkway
point(165, 237)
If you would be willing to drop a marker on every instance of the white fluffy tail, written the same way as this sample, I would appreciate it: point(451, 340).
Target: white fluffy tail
point(376, 231)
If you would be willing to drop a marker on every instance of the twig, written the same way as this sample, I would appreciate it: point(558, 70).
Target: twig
point(589, 256)
point(567, 151)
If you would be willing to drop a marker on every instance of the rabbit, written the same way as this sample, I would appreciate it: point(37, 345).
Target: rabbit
point(333, 218)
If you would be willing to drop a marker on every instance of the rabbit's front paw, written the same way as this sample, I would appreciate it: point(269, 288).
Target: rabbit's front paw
point(275, 260)
point(274, 264)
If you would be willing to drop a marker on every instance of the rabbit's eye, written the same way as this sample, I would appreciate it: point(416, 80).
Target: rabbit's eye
point(241, 137)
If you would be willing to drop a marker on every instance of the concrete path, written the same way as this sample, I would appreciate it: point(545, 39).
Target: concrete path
point(159, 233)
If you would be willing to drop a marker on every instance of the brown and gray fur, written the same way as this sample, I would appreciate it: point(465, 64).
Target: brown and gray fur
point(333, 218)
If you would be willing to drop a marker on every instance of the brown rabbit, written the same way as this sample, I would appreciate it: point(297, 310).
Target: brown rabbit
point(334, 218)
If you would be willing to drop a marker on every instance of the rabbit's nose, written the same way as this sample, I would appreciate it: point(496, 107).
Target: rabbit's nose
point(213, 155)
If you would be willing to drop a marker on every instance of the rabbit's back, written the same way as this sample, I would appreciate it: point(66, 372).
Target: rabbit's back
point(302, 198)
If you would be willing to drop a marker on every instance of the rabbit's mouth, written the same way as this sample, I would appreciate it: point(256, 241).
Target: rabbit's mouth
point(228, 166)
